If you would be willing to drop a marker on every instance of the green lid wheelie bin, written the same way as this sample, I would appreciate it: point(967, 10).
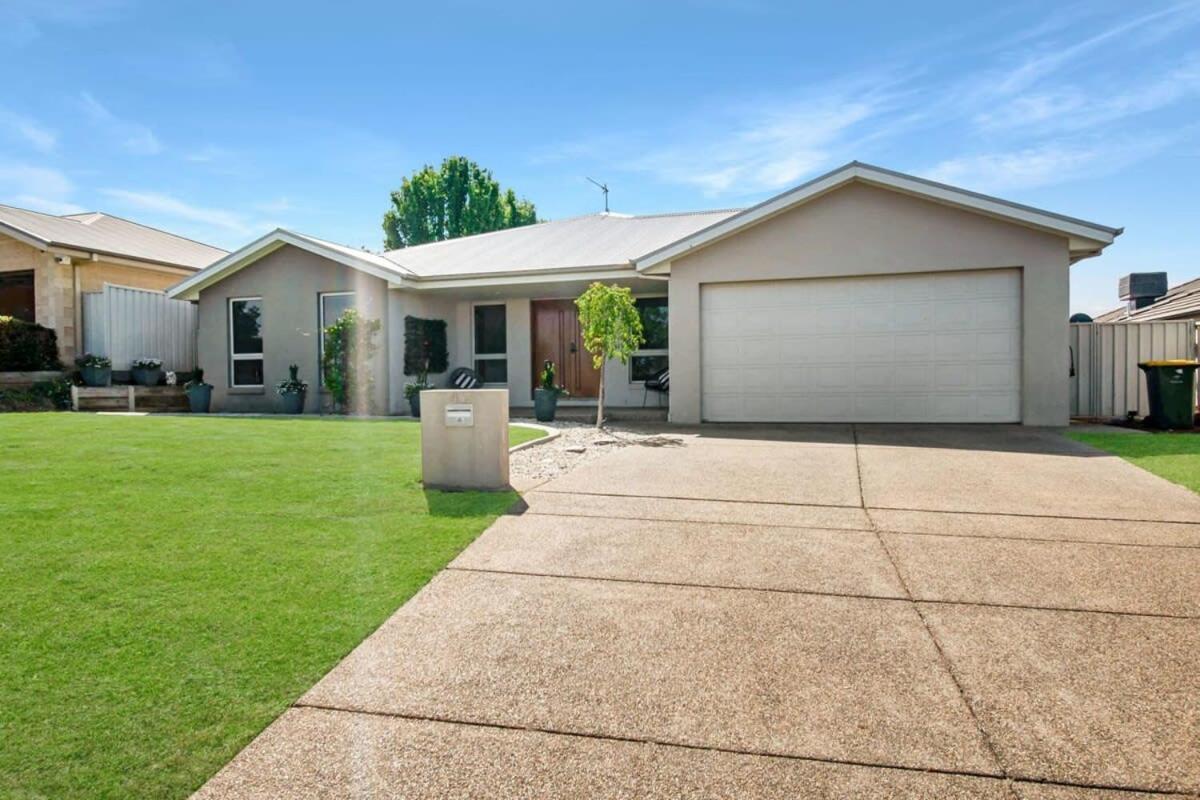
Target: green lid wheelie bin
point(1172, 388)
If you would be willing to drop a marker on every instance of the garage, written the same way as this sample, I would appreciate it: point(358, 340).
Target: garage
point(929, 347)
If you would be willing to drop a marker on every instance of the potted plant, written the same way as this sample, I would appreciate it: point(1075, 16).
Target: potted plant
point(199, 393)
point(412, 393)
point(146, 371)
point(95, 370)
point(292, 391)
point(545, 396)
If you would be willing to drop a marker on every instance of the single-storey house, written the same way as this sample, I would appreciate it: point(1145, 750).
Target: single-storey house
point(1148, 299)
point(47, 263)
point(862, 295)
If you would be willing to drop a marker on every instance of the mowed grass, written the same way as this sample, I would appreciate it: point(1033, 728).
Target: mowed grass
point(1174, 456)
point(169, 585)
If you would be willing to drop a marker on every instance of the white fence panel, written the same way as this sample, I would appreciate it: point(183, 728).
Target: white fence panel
point(1107, 381)
point(124, 324)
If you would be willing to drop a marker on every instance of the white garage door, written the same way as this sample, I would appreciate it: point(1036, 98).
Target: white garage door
point(936, 347)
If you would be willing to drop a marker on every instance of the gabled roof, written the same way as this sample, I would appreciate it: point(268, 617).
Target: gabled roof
point(105, 235)
point(1180, 302)
point(362, 260)
point(576, 243)
point(1086, 238)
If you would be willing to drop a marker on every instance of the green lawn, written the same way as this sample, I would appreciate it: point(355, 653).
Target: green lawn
point(1174, 456)
point(168, 585)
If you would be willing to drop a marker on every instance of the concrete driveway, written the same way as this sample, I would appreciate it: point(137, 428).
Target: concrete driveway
point(819, 611)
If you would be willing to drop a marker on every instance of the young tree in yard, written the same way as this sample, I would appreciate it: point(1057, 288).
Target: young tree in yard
point(612, 329)
point(458, 199)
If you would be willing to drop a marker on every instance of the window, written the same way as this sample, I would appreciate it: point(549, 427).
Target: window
point(652, 357)
point(17, 295)
point(245, 342)
point(491, 344)
point(333, 305)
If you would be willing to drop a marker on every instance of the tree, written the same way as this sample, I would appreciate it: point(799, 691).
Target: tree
point(458, 199)
point(612, 329)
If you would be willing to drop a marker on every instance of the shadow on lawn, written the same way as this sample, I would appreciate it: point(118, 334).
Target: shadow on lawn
point(469, 504)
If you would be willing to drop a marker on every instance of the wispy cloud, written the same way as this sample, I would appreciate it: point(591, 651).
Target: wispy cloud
point(1044, 164)
point(206, 154)
point(133, 137)
point(39, 188)
point(29, 130)
point(170, 206)
point(24, 21)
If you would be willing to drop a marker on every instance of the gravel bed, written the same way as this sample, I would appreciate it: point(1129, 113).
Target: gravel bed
point(576, 444)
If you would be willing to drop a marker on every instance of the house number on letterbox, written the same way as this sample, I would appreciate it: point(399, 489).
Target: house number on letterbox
point(460, 415)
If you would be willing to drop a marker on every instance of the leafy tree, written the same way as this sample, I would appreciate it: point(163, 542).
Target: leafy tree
point(612, 329)
point(458, 199)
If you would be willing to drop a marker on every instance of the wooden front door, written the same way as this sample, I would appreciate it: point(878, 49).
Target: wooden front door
point(557, 338)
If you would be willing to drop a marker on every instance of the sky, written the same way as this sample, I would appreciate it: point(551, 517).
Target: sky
point(220, 120)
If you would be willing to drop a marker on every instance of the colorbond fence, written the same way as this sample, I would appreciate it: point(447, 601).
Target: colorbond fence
point(1107, 381)
point(124, 324)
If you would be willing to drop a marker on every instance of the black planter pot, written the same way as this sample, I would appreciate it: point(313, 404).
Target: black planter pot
point(545, 404)
point(199, 398)
point(146, 377)
point(293, 402)
point(414, 402)
point(96, 376)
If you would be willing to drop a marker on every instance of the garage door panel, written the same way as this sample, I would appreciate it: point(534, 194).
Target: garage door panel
point(939, 347)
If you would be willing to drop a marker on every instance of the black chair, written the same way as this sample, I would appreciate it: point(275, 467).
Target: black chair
point(464, 378)
point(660, 382)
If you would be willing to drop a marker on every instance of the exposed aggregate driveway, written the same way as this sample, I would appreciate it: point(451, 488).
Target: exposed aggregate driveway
point(784, 612)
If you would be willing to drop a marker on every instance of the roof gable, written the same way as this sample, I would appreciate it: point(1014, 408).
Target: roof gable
point(1086, 238)
point(361, 260)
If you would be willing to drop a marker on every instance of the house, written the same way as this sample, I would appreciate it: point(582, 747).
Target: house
point(864, 294)
point(1147, 299)
point(47, 263)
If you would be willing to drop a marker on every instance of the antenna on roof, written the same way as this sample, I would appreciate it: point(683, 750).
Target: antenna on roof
point(603, 188)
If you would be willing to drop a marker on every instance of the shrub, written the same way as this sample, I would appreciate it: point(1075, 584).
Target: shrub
point(52, 395)
point(425, 347)
point(197, 380)
point(26, 347)
point(346, 361)
point(92, 360)
point(293, 384)
point(147, 363)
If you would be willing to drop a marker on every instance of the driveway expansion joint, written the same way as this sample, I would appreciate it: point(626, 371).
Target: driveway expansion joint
point(701, 499)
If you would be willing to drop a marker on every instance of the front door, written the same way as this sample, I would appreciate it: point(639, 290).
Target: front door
point(557, 338)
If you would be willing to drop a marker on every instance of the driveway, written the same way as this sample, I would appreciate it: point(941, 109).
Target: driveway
point(800, 611)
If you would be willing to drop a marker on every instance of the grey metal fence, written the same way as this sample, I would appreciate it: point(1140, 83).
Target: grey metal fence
point(1107, 381)
point(124, 324)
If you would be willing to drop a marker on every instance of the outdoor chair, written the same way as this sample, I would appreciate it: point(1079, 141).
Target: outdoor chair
point(464, 378)
point(660, 382)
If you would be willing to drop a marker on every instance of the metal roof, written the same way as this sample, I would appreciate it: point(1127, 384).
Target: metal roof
point(104, 234)
point(1180, 302)
point(595, 240)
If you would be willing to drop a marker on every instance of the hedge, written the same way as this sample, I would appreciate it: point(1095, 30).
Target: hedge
point(26, 347)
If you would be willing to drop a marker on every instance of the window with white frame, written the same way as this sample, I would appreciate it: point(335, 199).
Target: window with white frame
point(332, 306)
point(245, 342)
point(651, 358)
point(491, 343)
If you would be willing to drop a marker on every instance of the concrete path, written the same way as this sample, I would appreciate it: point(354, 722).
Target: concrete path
point(802, 611)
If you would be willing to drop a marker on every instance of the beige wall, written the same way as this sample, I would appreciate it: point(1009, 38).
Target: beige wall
point(289, 282)
point(56, 295)
point(862, 230)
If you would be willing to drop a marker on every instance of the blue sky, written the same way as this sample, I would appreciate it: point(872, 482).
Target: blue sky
point(222, 120)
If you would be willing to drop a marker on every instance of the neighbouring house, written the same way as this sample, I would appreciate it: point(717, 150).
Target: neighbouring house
point(48, 262)
point(1147, 299)
point(862, 295)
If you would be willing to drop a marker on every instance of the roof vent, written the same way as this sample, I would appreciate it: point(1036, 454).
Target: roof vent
point(1140, 289)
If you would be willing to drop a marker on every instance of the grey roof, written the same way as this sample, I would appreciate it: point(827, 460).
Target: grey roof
point(1180, 302)
point(105, 234)
point(595, 240)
